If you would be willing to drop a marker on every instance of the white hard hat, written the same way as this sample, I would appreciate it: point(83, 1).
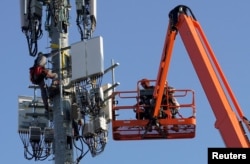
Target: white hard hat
point(41, 60)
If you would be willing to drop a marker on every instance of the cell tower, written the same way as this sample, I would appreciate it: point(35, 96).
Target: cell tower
point(81, 104)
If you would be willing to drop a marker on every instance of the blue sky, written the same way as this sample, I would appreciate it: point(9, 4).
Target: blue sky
point(134, 33)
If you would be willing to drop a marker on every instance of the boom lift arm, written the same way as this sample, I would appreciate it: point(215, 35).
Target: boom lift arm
point(229, 116)
point(210, 74)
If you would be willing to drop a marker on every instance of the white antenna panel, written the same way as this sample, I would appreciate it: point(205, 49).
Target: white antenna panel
point(26, 114)
point(87, 58)
point(24, 14)
point(108, 104)
point(93, 8)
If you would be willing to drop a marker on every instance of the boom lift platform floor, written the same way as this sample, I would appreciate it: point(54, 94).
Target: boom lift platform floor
point(166, 129)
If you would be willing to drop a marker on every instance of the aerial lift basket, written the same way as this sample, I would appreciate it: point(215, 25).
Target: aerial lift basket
point(125, 126)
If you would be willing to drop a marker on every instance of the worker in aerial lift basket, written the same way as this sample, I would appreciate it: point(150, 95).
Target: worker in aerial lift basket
point(146, 100)
point(38, 73)
point(172, 101)
point(149, 102)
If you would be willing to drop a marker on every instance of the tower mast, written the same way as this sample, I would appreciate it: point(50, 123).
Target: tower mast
point(61, 104)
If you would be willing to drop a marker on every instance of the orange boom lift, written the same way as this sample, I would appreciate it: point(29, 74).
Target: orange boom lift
point(230, 120)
